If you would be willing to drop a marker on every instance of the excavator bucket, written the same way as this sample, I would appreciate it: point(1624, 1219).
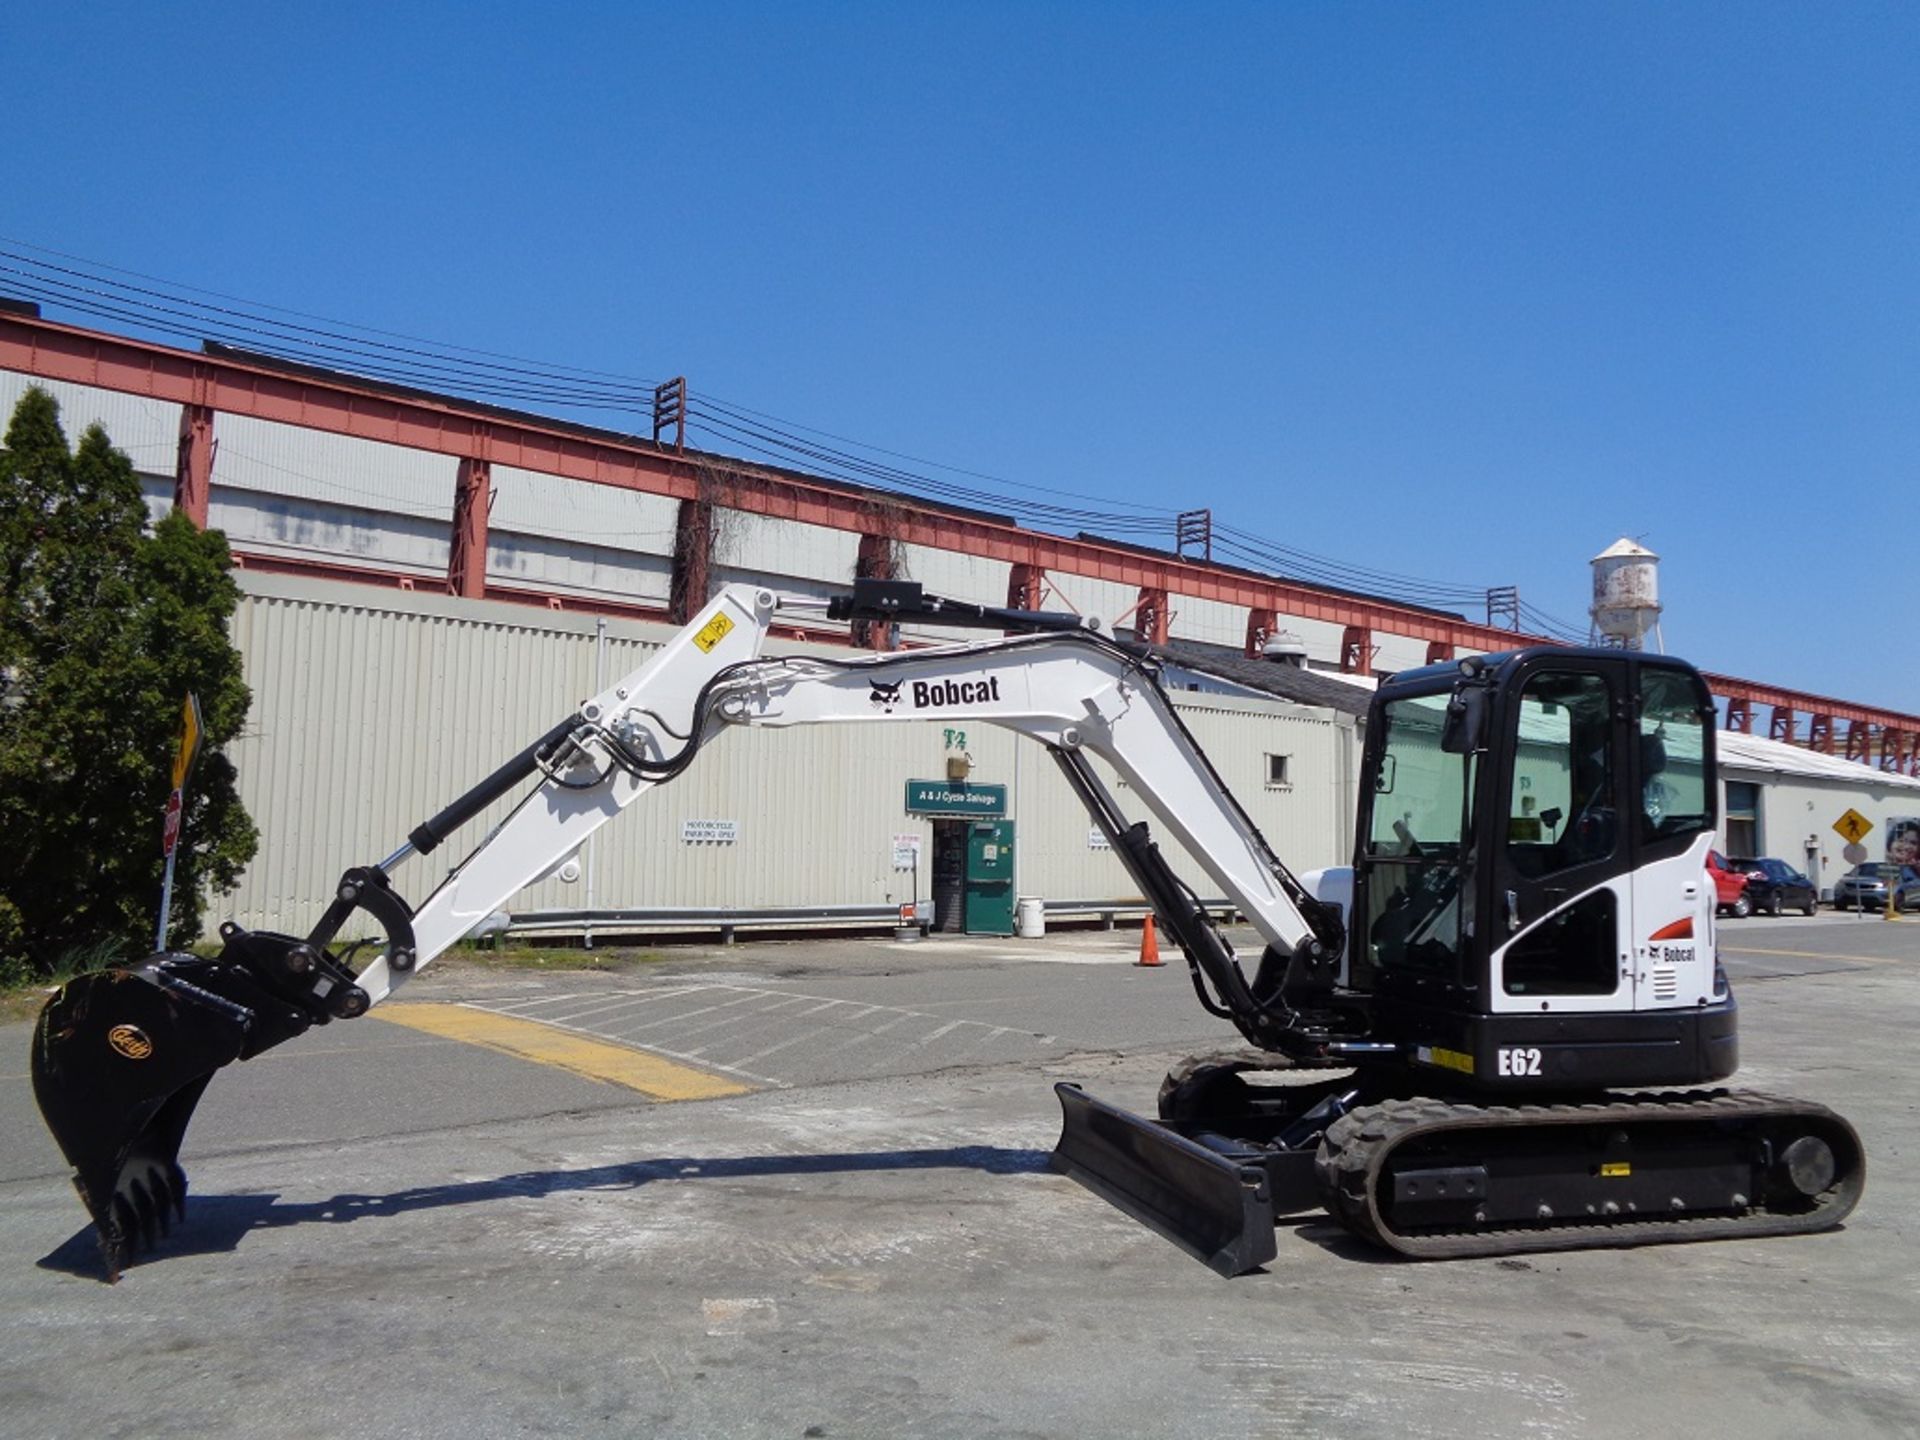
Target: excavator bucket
point(120, 1058)
point(1217, 1209)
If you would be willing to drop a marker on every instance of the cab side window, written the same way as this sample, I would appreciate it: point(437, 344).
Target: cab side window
point(1562, 809)
point(1674, 799)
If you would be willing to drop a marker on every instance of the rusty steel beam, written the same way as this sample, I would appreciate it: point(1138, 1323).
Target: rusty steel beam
point(692, 580)
point(1152, 615)
point(1753, 692)
point(1820, 733)
point(193, 464)
point(876, 560)
point(1263, 622)
point(364, 409)
point(1356, 650)
point(467, 556)
point(344, 405)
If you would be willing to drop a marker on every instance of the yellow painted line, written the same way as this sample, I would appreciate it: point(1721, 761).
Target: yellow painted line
point(577, 1054)
point(1811, 955)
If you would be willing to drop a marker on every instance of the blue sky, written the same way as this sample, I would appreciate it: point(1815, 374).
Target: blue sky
point(1461, 292)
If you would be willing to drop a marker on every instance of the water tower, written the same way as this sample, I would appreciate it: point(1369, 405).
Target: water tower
point(1286, 648)
point(1626, 596)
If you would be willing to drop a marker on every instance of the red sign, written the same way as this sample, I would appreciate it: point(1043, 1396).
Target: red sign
point(170, 827)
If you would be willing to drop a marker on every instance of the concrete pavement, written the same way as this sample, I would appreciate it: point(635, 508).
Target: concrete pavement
point(394, 1233)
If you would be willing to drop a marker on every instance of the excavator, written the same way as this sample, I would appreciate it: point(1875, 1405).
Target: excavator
point(1500, 1030)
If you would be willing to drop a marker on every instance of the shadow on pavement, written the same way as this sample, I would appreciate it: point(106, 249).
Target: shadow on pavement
point(215, 1224)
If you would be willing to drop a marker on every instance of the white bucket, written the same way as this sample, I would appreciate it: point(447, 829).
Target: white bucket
point(1030, 917)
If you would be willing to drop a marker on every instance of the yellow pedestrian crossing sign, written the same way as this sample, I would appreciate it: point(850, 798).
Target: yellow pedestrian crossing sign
point(1853, 826)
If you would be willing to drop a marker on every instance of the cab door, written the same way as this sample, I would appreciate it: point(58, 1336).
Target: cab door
point(1562, 891)
point(1674, 820)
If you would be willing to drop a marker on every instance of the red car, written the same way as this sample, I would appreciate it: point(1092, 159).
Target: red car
point(1730, 886)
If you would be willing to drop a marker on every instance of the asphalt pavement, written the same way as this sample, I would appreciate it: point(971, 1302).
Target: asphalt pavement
point(420, 1229)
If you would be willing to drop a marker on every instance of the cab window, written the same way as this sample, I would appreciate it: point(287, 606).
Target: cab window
point(1561, 810)
point(1675, 798)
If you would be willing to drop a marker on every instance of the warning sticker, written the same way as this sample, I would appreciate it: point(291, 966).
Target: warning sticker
point(713, 632)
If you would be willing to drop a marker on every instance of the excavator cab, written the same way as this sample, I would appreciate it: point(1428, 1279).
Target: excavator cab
point(1528, 901)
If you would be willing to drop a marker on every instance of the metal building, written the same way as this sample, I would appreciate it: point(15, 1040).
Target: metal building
point(429, 582)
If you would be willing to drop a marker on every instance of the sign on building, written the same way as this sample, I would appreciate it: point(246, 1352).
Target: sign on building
point(956, 798)
point(709, 832)
point(1853, 827)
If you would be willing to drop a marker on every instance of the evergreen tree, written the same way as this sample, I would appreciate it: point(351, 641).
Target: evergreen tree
point(103, 631)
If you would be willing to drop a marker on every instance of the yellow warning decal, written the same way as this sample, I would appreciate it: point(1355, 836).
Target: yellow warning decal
point(713, 632)
point(1445, 1059)
point(1616, 1169)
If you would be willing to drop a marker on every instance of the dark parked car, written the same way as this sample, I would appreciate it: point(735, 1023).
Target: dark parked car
point(1774, 885)
point(1865, 887)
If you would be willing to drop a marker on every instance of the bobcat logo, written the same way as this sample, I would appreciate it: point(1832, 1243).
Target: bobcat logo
point(885, 696)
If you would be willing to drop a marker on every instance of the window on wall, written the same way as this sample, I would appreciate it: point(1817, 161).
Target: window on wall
point(1743, 818)
point(1277, 777)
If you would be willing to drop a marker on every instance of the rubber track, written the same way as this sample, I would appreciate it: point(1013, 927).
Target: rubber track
point(1352, 1157)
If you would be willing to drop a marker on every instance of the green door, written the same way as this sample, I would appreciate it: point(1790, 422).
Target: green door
point(989, 877)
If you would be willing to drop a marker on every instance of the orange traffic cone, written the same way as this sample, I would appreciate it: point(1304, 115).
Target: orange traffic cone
point(1149, 945)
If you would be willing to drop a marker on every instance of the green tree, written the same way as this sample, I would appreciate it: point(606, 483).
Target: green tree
point(104, 629)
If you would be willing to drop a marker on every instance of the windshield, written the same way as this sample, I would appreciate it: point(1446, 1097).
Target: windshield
point(1418, 906)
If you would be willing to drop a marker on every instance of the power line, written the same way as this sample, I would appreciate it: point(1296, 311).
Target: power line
point(160, 306)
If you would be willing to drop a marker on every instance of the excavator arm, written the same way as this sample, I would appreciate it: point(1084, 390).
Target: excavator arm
point(121, 1056)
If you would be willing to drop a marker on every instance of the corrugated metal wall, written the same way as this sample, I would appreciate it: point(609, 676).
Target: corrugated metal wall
point(373, 708)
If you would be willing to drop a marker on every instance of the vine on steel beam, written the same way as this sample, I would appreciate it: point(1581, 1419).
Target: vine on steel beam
point(877, 560)
point(1263, 622)
point(193, 465)
point(687, 591)
point(472, 504)
point(1356, 650)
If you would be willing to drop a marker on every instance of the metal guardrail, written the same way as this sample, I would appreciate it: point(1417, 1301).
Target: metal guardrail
point(727, 920)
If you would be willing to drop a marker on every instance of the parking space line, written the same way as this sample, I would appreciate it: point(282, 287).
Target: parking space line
point(545, 1044)
point(1812, 955)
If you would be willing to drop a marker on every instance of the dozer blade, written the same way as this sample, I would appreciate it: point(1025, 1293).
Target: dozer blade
point(1218, 1210)
point(120, 1058)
